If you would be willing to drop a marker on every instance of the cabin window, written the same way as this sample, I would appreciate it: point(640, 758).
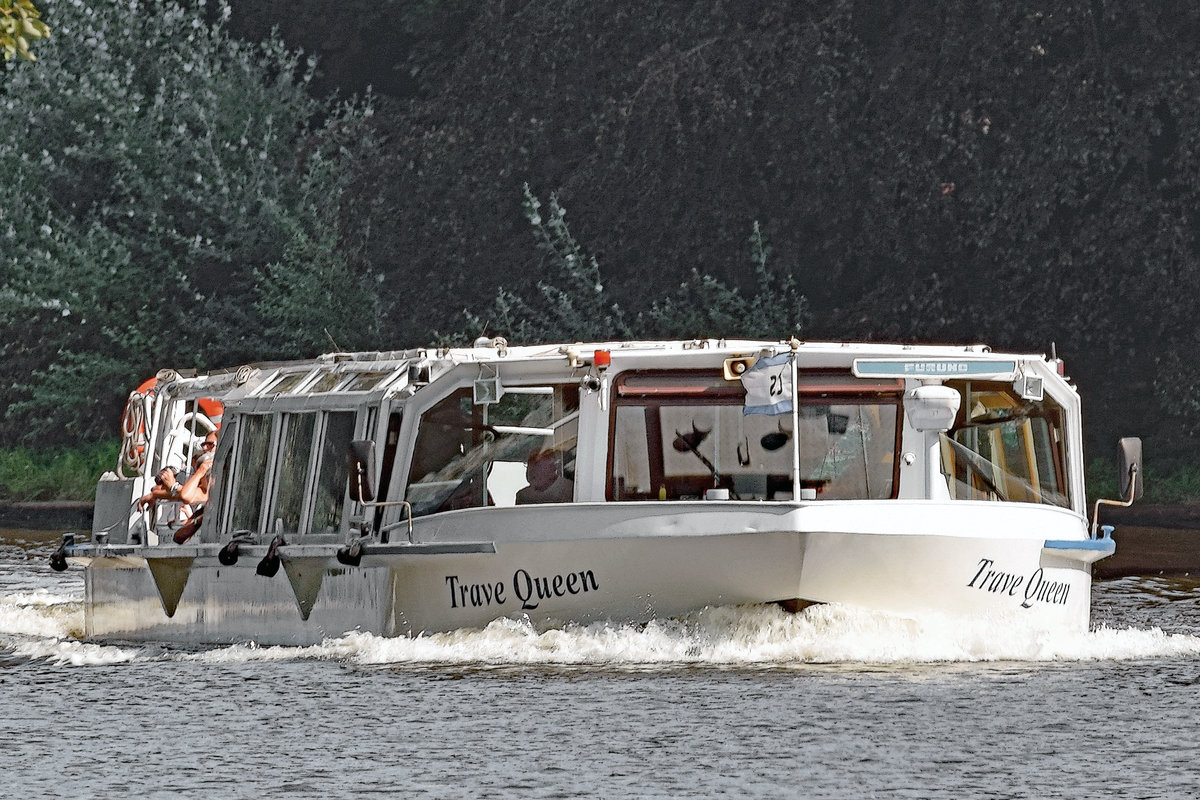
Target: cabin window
point(308, 471)
point(293, 466)
point(676, 435)
point(391, 443)
point(286, 383)
point(326, 383)
point(255, 442)
point(470, 454)
point(1004, 447)
point(366, 380)
point(333, 473)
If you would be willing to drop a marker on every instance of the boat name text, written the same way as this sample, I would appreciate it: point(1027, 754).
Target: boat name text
point(529, 589)
point(1034, 588)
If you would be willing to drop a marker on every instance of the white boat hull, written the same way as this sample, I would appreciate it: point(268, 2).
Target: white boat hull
point(625, 562)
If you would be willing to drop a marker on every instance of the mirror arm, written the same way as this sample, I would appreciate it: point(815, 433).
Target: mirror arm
point(408, 517)
point(1133, 471)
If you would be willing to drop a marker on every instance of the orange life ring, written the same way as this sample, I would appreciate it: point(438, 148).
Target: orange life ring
point(213, 409)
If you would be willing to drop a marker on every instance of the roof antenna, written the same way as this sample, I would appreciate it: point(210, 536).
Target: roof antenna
point(336, 349)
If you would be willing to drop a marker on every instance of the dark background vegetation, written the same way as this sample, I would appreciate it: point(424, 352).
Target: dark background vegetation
point(1014, 173)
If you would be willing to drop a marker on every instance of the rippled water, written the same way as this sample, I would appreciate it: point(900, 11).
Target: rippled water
point(730, 702)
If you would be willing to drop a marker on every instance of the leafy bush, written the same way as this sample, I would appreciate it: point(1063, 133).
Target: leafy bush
point(20, 24)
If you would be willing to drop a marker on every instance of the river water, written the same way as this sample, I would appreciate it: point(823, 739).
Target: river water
point(729, 702)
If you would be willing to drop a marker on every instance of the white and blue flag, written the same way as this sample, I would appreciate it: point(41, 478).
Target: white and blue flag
point(768, 385)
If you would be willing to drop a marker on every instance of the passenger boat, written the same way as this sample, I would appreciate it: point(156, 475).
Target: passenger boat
point(427, 490)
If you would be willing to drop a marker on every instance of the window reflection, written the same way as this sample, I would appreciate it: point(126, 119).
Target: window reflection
point(1005, 447)
point(471, 455)
point(293, 468)
point(251, 471)
point(333, 474)
point(677, 435)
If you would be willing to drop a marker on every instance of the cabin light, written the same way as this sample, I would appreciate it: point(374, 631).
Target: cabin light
point(1029, 387)
point(487, 388)
point(931, 407)
point(418, 373)
point(602, 358)
point(487, 391)
point(497, 343)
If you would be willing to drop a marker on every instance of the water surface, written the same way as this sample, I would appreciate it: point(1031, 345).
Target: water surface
point(728, 702)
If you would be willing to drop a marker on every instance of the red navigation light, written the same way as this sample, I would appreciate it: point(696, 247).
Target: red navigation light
point(602, 358)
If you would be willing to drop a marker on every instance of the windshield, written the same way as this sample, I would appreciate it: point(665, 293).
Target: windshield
point(470, 454)
point(1005, 448)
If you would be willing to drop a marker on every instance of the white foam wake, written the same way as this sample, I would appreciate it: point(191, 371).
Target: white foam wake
point(742, 636)
point(40, 613)
point(44, 626)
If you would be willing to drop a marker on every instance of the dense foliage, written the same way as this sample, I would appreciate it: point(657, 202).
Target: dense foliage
point(159, 180)
point(996, 171)
point(999, 172)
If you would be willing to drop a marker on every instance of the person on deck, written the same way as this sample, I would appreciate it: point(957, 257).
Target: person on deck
point(184, 487)
point(546, 484)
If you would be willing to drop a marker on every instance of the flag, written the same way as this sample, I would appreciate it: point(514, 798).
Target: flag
point(768, 385)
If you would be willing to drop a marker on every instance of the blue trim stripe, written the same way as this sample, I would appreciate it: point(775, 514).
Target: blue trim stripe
point(784, 407)
point(1100, 545)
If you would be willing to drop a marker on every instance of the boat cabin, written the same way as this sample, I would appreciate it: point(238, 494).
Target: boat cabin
point(497, 426)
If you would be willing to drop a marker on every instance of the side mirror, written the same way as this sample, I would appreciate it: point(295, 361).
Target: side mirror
point(362, 470)
point(1129, 468)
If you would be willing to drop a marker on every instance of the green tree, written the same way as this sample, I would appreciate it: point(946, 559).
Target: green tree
point(996, 171)
point(20, 25)
point(572, 303)
point(154, 168)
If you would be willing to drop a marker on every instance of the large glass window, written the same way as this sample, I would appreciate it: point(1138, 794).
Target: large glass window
point(254, 446)
point(309, 467)
point(333, 474)
point(520, 449)
point(294, 458)
point(677, 434)
point(1004, 447)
